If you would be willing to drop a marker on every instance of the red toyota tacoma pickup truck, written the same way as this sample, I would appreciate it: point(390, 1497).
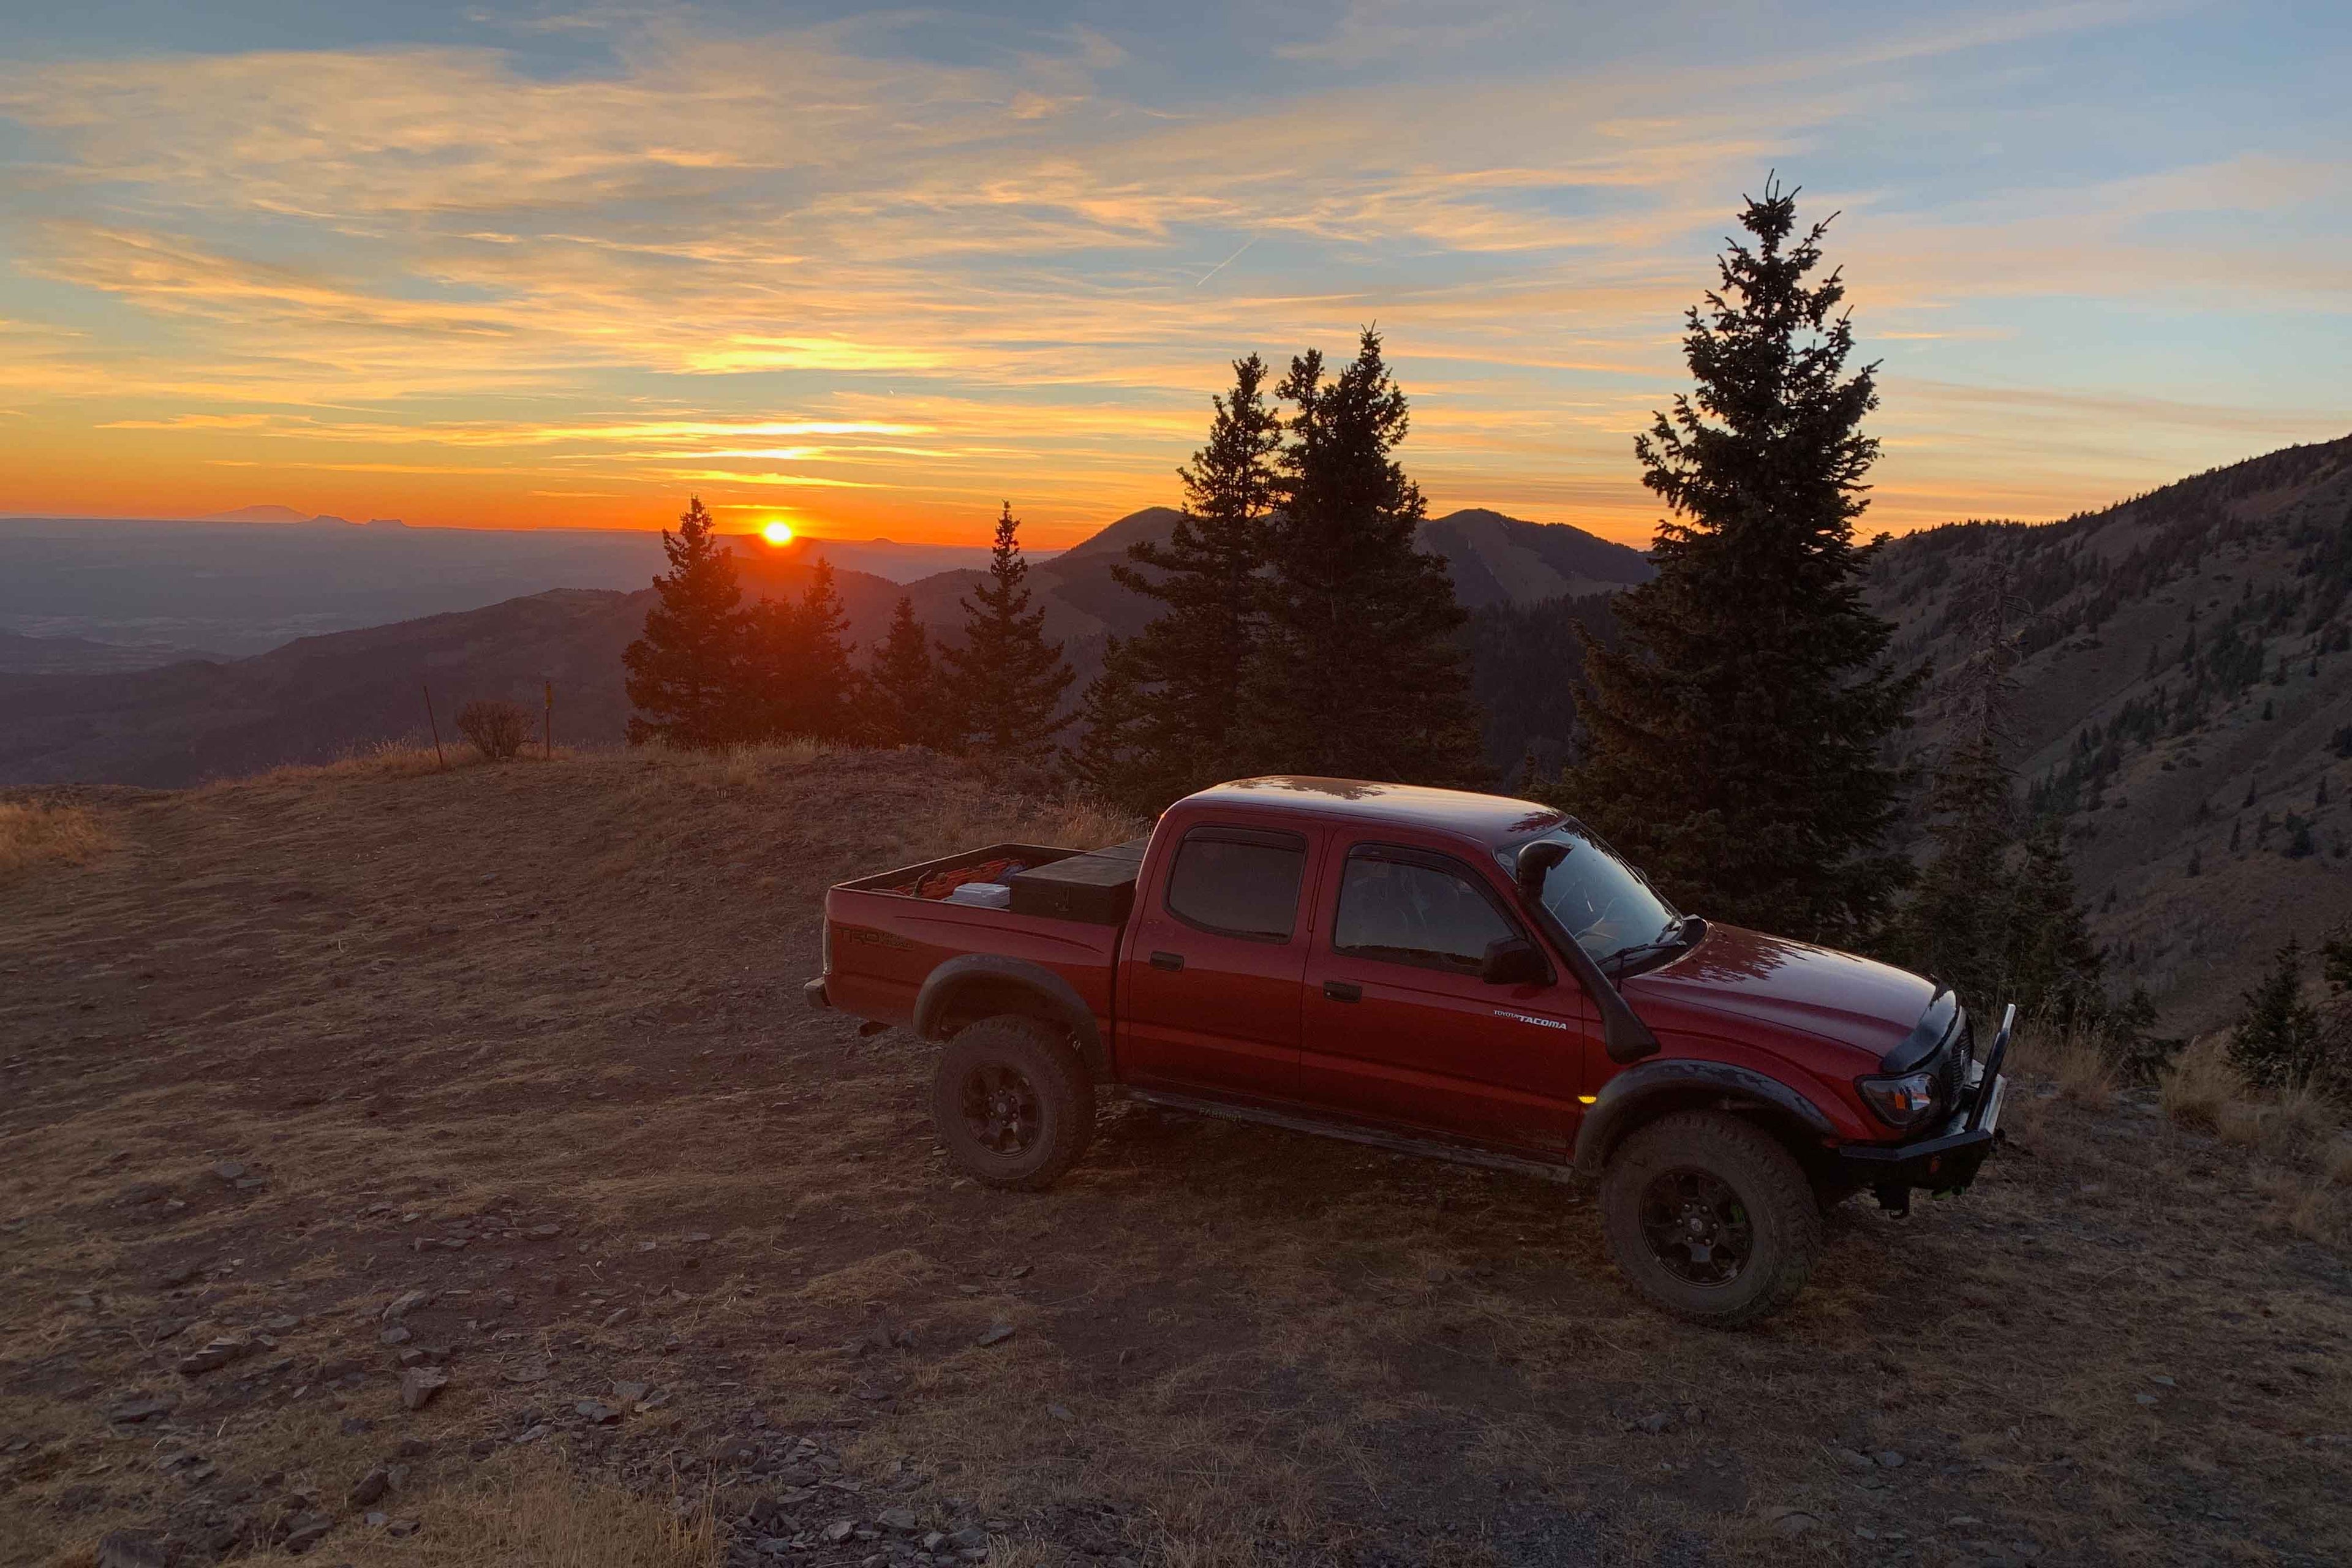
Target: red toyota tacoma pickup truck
point(1454, 974)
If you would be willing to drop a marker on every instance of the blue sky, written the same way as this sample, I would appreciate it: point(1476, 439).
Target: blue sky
point(871, 270)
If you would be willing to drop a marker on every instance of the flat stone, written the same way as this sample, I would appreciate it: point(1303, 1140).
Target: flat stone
point(369, 1487)
point(309, 1530)
point(616, 1318)
point(140, 1408)
point(1888, 1460)
point(901, 1520)
point(228, 1170)
point(418, 1384)
point(597, 1411)
point(628, 1393)
point(121, 1549)
point(1060, 1412)
point(398, 1334)
point(996, 1335)
point(1657, 1421)
point(1791, 1523)
point(217, 1355)
point(840, 1530)
point(378, 1519)
point(404, 1303)
point(399, 1527)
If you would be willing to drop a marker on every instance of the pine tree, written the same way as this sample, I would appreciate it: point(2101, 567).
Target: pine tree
point(1736, 732)
point(1169, 710)
point(1006, 679)
point(2055, 968)
point(1108, 759)
point(902, 684)
point(1956, 924)
point(799, 680)
point(2278, 1041)
point(1360, 672)
point(685, 673)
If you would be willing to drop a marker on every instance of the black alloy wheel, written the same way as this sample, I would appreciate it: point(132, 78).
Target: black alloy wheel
point(1013, 1104)
point(1696, 1227)
point(1001, 1108)
point(1710, 1216)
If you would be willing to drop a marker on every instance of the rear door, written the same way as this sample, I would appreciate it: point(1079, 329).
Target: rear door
point(1400, 1028)
point(1209, 996)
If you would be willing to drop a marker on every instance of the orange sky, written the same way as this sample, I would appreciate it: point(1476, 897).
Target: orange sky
point(481, 273)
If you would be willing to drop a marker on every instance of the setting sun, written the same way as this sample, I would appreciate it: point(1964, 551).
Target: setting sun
point(777, 534)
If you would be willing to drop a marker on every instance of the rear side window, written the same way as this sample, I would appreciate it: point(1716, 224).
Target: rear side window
point(1238, 882)
point(1415, 911)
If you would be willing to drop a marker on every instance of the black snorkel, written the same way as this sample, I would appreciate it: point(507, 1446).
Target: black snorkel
point(1626, 1037)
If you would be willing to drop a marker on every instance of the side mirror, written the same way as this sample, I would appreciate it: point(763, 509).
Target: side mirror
point(1512, 960)
point(1535, 863)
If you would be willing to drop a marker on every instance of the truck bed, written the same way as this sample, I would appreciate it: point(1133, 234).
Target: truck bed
point(887, 935)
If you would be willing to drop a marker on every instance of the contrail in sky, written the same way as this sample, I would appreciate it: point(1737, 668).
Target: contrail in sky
point(1228, 261)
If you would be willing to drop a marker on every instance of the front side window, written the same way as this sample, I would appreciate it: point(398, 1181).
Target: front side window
point(1409, 911)
point(1238, 882)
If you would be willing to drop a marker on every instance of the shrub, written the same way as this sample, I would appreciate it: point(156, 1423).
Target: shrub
point(496, 726)
point(2279, 1040)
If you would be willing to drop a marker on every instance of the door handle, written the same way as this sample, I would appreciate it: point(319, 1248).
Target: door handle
point(1170, 960)
point(1343, 991)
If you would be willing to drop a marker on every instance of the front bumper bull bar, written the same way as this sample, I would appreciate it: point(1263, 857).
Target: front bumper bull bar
point(1948, 1161)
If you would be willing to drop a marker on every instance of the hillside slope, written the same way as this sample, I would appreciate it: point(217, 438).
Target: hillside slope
point(514, 1058)
point(2185, 703)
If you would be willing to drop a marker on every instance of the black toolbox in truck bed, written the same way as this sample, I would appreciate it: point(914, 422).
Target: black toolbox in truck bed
point(1097, 887)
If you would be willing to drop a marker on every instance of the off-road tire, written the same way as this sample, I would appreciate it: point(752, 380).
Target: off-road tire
point(1780, 1213)
point(1034, 1056)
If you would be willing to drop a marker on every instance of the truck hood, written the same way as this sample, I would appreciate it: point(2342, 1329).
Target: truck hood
point(1787, 985)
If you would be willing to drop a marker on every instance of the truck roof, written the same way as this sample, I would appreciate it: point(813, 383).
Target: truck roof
point(1488, 819)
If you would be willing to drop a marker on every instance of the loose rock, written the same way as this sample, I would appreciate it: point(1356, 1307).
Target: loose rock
point(997, 1335)
point(418, 1384)
point(121, 1549)
point(369, 1487)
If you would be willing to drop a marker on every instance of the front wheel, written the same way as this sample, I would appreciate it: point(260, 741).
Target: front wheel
point(1013, 1103)
point(1708, 1216)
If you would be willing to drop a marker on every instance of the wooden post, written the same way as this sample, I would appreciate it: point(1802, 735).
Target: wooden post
point(550, 730)
point(439, 761)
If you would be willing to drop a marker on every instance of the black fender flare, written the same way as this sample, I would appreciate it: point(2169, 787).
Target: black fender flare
point(1053, 997)
point(1618, 1108)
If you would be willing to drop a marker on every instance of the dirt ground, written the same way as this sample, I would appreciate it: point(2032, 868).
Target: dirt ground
point(504, 1073)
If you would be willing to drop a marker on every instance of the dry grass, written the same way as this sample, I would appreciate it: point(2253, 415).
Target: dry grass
point(2076, 1062)
point(1232, 1346)
point(35, 836)
point(2202, 1084)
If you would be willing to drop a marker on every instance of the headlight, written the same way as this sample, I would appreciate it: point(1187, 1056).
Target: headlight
point(1902, 1101)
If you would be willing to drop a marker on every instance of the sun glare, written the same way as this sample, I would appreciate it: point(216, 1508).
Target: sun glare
point(777, 534)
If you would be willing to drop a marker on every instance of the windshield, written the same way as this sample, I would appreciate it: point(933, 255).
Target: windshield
point(1603, 902)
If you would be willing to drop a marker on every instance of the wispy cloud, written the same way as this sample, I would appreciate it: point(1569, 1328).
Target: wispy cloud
point(725, 261)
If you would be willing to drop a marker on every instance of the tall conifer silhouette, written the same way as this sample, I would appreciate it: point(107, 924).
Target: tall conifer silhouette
point(1007, 680)
point(1736, 733)
point(1160, 721)
point(902, 683)
point(685, 673)
point(1360, 671)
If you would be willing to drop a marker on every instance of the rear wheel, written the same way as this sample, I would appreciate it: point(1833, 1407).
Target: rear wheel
point(1012, 1102)
point(1708, 1216)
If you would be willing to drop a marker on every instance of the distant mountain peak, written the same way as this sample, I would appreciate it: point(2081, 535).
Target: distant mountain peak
point(270, 513)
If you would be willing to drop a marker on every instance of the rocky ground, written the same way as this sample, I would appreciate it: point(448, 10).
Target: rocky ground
point(403, 1167)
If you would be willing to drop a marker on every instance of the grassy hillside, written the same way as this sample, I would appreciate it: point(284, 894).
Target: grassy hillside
point(504, 1072)
point(2188, 680)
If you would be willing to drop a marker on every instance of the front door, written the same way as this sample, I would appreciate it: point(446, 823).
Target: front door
point(1208, 996)
point(1400, 1028)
